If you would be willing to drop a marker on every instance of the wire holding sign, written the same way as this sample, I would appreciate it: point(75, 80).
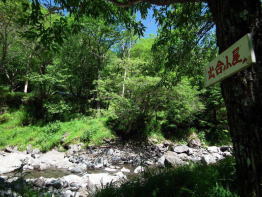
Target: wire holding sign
point(236, 58)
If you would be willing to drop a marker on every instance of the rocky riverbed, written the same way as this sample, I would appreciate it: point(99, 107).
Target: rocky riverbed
point(80, 171)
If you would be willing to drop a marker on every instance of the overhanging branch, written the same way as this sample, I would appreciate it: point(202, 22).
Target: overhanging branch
point(129, 3)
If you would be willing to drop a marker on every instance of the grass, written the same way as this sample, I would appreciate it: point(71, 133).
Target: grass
point(89, 130)
point(193, 180)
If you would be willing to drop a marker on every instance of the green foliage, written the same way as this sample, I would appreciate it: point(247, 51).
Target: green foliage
point(220, 191)
point(52, 127)
point(213, 120)
point(192, 180)
point(53, 134)
point(86, 137)
point(57, 109)
point(144, 87)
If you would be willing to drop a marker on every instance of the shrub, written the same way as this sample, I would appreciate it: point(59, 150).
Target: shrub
point(4, 118)
point(56, 109)
point(126, 119)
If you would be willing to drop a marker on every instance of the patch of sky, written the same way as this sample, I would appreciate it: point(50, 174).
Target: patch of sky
point(150, 24)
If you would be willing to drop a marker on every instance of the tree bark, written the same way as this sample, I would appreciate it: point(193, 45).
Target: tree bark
point(243, 91)
point(26, 86)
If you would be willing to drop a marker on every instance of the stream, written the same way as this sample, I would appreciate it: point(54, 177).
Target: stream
point(81, 171)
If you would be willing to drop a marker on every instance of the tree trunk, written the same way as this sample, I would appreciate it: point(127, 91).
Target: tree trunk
point(26, 86)
point(243, 91)
point(124, 82)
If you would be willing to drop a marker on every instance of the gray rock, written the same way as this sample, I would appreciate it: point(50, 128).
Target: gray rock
point(68, 193)
point(110, 169)
point(10, 149)
point(36, 151)
point(149, 163)
point(40, 182)
point(218, 156)
point(120, 175)
point(181, 149)
point(110, 151)
point(139, 169)
point(72, 179)
point(74, 186)
point(99, 162)
point(55, 183)
point(36, 166)
point(184, 156)
point(172, 159)
point(213, 149)
point(105, 163)
point(190, 151)
point(226, 154)
point(161, 161)
point(116, 159)
point(74, 148)
point(125, 170)
point(29, 149)
point(226, 148)
point(208, 159)
point(194, 143)
point(78, 169)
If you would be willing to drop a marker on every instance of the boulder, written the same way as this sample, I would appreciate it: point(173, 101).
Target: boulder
point(226, 154)
point(208, 159)
point(213, 149)
point(183, 156)
point(110, 152)
point(194, 143)
point(110, 169)
point(55, 183)
point(78, 169)
point(72, 179)
point(120, 175)
point(172, 159)
point(161, 161)
point(125, 170)
point(226, 149)
point(10, 149)
point(74, 186)
point(181, 149)
point(68, 193)
point(139, 169)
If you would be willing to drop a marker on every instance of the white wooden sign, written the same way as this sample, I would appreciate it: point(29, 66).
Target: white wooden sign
point(236, 58)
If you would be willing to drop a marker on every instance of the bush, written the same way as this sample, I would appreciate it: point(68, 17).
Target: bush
point(4, 118)
point(56, 109)
point(126, 119)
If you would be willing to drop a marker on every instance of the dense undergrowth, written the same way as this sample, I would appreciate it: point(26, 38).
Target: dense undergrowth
point(195, 180)
point(90, 130)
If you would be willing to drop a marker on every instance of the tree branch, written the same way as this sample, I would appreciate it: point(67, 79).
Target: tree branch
point(155, 2)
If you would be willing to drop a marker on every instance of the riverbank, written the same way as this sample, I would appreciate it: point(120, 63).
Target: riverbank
point(81, 170)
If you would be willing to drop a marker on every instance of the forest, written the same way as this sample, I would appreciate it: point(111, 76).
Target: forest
point(83, 73)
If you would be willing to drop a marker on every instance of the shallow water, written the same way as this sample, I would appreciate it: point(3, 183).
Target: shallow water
point(57, 172)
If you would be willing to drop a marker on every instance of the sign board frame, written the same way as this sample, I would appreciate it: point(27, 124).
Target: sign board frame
point(237, 57)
